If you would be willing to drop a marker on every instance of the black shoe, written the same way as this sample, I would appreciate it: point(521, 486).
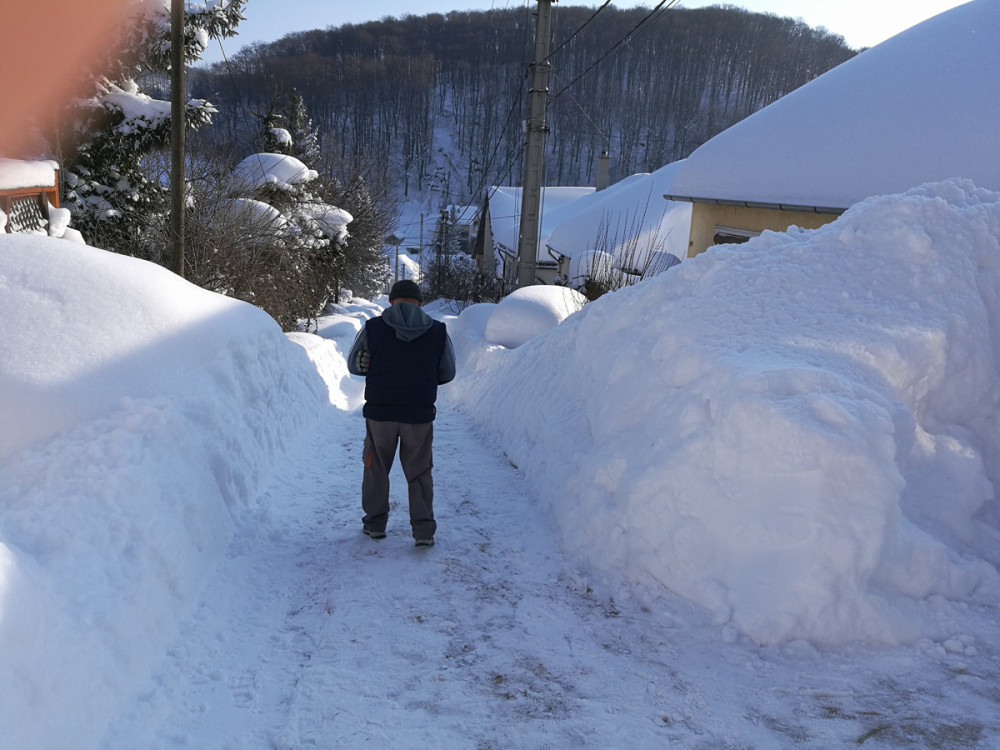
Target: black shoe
point(374, 533)
point(423, 543)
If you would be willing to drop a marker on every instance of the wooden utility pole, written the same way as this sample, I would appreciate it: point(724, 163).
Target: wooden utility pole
point(177, 118)
point(531, 190)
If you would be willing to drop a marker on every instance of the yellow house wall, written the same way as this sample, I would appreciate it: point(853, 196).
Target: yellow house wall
point(705, 217)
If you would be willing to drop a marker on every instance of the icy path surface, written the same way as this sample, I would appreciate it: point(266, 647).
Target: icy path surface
point(314, 636)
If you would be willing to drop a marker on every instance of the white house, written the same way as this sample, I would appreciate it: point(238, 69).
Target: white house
point(920, 107)
point(505, 221)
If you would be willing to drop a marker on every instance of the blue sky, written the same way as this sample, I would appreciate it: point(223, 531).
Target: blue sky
point(862, 23)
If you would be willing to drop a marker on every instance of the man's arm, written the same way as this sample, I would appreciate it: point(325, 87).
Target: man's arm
point(446, 367)
point(359, 359)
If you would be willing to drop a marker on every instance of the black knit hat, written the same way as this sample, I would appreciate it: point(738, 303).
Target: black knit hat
point(406, 289)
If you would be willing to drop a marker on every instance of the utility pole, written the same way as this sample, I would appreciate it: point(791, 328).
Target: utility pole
point(531, 191)
point(177, 117)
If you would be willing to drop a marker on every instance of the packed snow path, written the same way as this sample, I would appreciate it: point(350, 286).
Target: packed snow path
point(312, 635)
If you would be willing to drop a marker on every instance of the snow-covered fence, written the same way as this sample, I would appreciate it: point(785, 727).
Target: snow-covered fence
point(27, 189)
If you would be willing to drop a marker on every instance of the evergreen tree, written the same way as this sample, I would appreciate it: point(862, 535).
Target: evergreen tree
point(290, 238)
point(273, 137)
point(108, 142)
point(361, 268)
point(451, 273)
point(305, 137)
point(357, 265)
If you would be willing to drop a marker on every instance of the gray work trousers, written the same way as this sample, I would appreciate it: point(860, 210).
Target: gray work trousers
point(414, 440)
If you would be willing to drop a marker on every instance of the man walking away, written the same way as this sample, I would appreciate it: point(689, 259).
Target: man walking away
point(404, 355)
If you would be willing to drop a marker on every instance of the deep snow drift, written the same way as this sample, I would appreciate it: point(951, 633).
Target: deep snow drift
point(798, 434)
point(139, 417)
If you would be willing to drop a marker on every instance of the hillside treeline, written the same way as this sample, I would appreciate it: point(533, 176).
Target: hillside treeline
point(437, 101)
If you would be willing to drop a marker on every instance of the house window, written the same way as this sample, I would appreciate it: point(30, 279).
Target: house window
point(732, 235)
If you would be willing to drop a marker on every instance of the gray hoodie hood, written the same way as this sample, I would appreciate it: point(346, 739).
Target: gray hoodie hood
point(408, 321)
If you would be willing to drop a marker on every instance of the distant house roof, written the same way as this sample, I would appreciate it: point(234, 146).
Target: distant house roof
point(920, 107)
point(628, 215)
point(505, 212)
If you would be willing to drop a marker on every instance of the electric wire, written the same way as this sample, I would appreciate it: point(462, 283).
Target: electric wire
point(500, 138)
point(669, 3)
point(517, 102)
point(239, 99)
point(578, 30)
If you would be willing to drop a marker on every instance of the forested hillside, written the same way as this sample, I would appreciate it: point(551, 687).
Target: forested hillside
point(436, 102)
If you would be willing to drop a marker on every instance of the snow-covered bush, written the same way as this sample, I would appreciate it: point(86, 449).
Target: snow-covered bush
point(529, 312)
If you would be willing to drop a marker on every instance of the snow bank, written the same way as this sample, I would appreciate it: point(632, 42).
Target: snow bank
point(799, 433)
point(468, 329)
point(141, 416)
point(529, 312)
point(328, 350)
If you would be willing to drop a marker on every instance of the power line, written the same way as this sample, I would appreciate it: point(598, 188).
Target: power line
point(518, 100)
point(239, 99)
point(510, 113)
point(669, 3)
point(579, 29)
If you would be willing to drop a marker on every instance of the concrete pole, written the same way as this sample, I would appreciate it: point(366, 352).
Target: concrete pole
point(177, 117)
point(531, 191)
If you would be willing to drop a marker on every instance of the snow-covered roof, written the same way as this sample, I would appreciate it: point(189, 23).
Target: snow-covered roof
point(627, 217)
point(466, 214)
point(922, 106)
point(505, 211)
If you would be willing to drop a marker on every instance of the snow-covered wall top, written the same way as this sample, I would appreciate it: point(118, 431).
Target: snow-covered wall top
point(16, 174)
point(919, 107)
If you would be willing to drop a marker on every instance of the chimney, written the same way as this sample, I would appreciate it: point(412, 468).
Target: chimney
point(603, 168)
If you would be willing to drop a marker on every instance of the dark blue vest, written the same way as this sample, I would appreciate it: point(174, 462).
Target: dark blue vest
point(401, 385)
